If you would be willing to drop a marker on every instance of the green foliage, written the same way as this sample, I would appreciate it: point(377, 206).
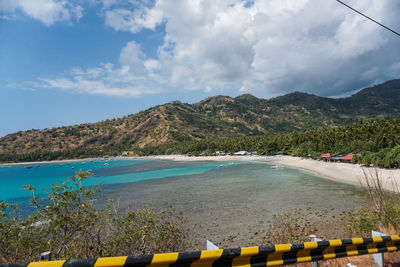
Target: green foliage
point(382, 210)
point(378, 141)
point(67, 223)
point(289, 227)
point(215, 117)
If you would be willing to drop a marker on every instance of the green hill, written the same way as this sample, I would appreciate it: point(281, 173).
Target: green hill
point(218, 116)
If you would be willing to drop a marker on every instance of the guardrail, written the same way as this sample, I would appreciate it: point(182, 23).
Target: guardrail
point(241, 257)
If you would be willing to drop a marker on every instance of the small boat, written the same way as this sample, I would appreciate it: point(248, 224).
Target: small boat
point(28, 167)
point(277, 166)
point(106, 164)
point(72, 167)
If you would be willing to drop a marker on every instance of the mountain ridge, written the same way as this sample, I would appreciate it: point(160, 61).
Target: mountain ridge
point(217, 116)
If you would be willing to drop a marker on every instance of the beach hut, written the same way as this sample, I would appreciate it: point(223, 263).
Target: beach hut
point(325, 156)
point(346, 158)
point(336, 157)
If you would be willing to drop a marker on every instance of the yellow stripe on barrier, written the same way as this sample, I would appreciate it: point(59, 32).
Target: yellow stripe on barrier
point(377, 239)
point(248, 256)
point(310, 245)
point(275, 258)
point(329, 253)
point(304, 255)
point(372, 248)
point(282, 248)
point(244, 259)
point(207, 258)
point(46, 264)
point(358, 241)
point(164, 259)
point(111, 262)
point(335, 243)
point(352, 250)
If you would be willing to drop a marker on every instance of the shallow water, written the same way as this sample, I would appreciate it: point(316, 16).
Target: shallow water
point(219, 199)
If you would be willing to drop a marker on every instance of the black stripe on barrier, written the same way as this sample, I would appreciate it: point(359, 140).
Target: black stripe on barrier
point(260, 260)
point(138, 261)
point(340, 251)
point(381, 247)
point(80, 263)
point(386, 238)
point(185, 259)
point(227, 257)
point(291, 256)
point(347, 241)
point(316, 254)
point(362, 249)
point(397, 245)
point(15, 265)
point(368, 240)
point(323, 244)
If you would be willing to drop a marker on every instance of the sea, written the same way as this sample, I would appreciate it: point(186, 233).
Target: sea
point(219, 199)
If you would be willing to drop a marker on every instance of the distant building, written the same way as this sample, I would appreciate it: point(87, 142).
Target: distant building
point(336, 157)
point(348, 157)
point(325, 156)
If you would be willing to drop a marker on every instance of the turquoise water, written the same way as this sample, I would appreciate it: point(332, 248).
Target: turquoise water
point(105, 172)
point(219, 199)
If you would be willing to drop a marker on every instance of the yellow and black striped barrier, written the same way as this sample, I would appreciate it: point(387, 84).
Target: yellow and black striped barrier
point(241, 257)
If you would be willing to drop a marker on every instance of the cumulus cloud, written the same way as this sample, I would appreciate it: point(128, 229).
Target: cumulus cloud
point(47, 11)
point(137, 76)
point(263, 47)
point(134, 19)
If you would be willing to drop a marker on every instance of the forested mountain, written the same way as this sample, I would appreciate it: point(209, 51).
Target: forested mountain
point(219, 116)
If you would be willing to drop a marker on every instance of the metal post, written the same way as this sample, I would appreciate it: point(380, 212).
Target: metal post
point(378, 257)
point(314, 238)
point(211, 245)
point(45, 256)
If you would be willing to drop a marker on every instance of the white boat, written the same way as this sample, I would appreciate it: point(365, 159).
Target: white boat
point(277, 166)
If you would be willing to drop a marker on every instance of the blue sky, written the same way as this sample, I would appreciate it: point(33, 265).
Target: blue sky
point(66, 62)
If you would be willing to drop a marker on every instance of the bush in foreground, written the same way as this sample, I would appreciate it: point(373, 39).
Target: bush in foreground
point(67, 224)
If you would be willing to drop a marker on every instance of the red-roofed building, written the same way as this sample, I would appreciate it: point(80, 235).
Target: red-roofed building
point(325, 156)
point(347, 158)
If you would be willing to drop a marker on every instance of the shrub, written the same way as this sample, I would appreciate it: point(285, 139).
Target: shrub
point(68, 224)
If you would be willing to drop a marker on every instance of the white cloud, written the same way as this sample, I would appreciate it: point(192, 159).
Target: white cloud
point(269, 47)
point(47, 11)
point(133, 19)
point(134, 78)
point(133, 57)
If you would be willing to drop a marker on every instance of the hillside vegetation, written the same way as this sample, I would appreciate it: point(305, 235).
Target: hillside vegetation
point(214, 117)
point(378, 141)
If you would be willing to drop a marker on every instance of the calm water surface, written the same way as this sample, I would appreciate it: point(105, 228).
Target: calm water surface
point(217, 197)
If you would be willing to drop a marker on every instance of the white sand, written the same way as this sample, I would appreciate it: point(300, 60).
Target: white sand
point(342, 172)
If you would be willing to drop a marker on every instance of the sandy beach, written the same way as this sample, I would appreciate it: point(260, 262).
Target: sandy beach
point(341, 172)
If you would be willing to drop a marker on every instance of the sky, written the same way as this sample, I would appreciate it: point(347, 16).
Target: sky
point(65, 62)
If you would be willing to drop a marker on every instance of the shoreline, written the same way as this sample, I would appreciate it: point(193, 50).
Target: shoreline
point(340, 172)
